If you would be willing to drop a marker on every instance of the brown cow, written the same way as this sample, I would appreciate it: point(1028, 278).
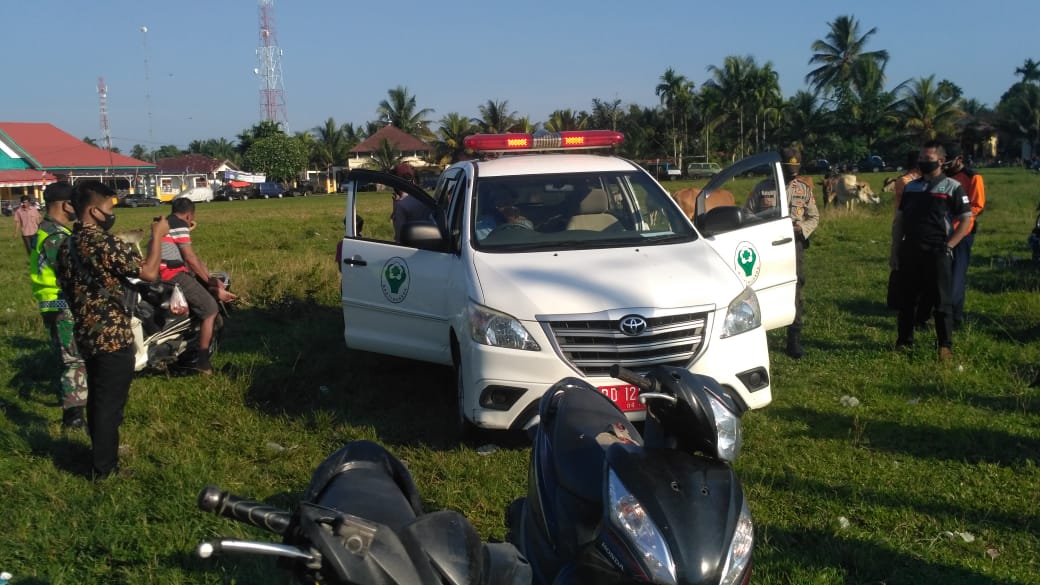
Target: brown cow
point(846, 190)
point(687, 199)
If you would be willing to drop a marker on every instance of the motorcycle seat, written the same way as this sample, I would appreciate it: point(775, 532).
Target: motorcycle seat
point(582, 416)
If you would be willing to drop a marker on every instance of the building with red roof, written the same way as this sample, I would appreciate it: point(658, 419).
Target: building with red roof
point(35, 154)
point(190, 171)
point(414, 152)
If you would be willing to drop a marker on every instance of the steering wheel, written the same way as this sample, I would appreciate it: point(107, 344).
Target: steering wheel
point(510, 227)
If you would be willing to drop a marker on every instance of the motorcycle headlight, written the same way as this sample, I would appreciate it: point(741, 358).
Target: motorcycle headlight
point(631, 519)
point(743, 314)
point(727, 427)
point(739, 555)
point(490, 327)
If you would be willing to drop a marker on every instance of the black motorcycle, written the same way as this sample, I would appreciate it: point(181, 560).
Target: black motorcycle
point(606, 505)
point(165, 339)
point(361, 521)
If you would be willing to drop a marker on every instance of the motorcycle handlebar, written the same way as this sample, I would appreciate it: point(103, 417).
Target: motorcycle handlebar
point(626, 375)
point(260, 515)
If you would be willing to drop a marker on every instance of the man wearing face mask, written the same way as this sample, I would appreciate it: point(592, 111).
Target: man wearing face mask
point(91, 266)
point(805, 217)
point(923, 239)
point(57, 317)
point(975, 189)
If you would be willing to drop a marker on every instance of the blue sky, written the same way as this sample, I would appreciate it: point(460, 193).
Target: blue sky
point(341, 56)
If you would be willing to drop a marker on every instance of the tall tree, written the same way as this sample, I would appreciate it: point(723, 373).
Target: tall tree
point(386, 157)
point(331, 144)
point(1030, 71)
point(495, 117)
point(139, 152)
point(927, 113)
point(260, 130)
point(839, 56)
point(400, 109)
point(676, 95)
point(279, 156)
point(562, 120)
point(605, 114)
point(451, 134)
point(735, 82)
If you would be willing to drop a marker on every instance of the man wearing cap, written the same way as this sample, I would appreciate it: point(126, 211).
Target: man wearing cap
point(805, 217)
point(975, 189)
point(27, 223)
point(59, 215)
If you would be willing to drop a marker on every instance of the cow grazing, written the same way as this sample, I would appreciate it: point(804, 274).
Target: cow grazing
point(846, 190)
point(687, 199)
point(890, 185)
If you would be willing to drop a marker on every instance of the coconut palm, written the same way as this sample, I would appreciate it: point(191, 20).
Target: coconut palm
point(495, 117)
point(400, 109)
point(1019, 111)
point(605, 114)
point(839, 55)
point(1030, 71)
point(735, 83)
point(927, 113)
point(562, 120)
point(676, 94)
point(449, 145)
point(331, 144)
point(386, 157)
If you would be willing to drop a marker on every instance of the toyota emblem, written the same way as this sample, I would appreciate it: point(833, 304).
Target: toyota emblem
point(632, 325)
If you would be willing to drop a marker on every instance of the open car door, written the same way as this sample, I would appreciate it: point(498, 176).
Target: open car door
point(758, 244)
point(394, 293)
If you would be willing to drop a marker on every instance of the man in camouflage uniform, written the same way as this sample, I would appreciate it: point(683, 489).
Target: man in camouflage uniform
point(805, 217)
point(53, 307)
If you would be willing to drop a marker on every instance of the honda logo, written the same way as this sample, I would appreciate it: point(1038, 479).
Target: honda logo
point(632, 325)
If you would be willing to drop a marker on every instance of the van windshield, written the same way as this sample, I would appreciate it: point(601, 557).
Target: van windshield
point(574, 210)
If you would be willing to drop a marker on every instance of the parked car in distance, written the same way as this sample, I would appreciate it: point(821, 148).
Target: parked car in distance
point(302, 188)
point(139, 200)
point(234, 190)
point(816, 167)
point(697, 170)
point(197, 194)
point(269, 189)
point(872, 163)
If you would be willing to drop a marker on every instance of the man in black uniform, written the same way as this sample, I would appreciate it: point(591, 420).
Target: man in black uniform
point(923, 239)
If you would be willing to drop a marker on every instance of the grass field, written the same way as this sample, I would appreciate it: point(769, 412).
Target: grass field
point(932, 478)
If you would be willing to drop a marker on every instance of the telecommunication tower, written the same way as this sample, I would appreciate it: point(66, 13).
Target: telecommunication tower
point(272, 88)
point(102, 91)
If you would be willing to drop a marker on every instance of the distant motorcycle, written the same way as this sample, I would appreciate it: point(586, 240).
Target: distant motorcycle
point(606, 505)
point(164, 340)
point(361, 521)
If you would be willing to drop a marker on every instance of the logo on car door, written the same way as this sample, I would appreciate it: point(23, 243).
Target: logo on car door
point(746, 263)
point(394, 279)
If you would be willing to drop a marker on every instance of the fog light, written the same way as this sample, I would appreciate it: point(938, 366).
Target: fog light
point(755, 379)
point(500, 397)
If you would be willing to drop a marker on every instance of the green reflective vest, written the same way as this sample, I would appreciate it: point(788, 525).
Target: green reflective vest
point(41, 266)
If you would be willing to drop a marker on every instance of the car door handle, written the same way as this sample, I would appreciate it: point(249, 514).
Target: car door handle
point(355, 261)
point(783, 241)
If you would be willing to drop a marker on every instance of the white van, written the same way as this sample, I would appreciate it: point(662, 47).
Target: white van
point(702, 169)
point(197, 194)
point(535, 267)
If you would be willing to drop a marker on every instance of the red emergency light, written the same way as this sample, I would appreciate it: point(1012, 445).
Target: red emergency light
point(569, 140)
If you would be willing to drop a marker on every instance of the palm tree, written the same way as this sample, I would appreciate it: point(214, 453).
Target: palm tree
point(605, 114)
point(735, 83)
point(400, 109)
point(524, 125)
point(869, 111)
point(495, 117)
point(676, 93)
point(1030, 71)
point(839, 56)
point(262, 129)
point(927, 114)
point(767, 102)
point(1019, 111)
point(449, 146)
point(139, 152)
point(562, 120)
point(386, 158)
point(331, 145)
point(310, 146)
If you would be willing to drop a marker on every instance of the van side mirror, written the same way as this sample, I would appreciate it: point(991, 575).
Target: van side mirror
point(721, 219)
point(424, 235)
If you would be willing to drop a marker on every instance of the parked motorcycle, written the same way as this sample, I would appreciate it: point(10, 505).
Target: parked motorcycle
point(164, 339)
point(361, 521)
point(606, 505)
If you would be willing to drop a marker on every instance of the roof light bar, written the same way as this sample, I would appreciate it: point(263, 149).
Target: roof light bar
point(569, 140)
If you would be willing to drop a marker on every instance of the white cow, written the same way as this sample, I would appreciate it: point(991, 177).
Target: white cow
point(847, 191)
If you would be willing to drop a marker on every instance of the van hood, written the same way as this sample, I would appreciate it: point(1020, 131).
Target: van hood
point(572, 282)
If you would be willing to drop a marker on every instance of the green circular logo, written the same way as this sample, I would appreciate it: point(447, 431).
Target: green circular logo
point(746, 262)
point(395, 279)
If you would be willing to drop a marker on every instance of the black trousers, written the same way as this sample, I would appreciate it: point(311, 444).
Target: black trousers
point(109, 375)
point(799, 252)
point(925, 272)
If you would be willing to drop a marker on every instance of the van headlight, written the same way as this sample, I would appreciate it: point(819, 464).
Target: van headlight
point(490, 327)
point(739, 554)
point(632, 520)
point(743, 314)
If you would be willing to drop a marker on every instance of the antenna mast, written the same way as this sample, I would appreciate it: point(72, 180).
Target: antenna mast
point(147, 86)
point(106, 134)
point(272, 88)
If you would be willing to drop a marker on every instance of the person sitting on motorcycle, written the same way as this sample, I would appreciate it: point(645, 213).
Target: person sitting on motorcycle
point(183, 267)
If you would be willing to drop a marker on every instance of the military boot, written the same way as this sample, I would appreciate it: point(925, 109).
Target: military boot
point(794, 343)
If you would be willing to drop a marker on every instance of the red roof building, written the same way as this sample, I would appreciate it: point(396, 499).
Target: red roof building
point(34, 154)
point(413, 151)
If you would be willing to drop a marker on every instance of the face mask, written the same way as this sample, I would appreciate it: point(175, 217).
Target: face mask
point(69, 215)
point(108, 222)
point(927, 167)
point(790, 172)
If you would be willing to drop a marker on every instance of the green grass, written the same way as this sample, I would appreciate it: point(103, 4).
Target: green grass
point(929, 450)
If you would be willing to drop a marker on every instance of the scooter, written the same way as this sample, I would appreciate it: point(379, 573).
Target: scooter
point(606, 505)
point(163, 339)
point(361, 521)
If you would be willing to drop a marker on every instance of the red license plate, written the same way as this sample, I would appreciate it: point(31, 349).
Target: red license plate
point(626, 397)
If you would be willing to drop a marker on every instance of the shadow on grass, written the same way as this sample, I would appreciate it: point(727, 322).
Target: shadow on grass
point(70, 452)
point(35, 370)
point(307, 372)
point(923, 441)
point(851, 560)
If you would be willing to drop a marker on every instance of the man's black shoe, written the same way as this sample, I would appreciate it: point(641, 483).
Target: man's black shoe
point(72, 418)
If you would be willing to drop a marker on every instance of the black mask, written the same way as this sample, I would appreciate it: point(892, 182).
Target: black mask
point(927, 167)
point(108, 222)
point(790, 172)
point(69, 215)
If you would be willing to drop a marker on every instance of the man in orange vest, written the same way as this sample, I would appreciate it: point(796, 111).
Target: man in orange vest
point(975, 188)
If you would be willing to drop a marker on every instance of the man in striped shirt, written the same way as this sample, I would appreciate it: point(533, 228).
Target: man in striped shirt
point(183, 267)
